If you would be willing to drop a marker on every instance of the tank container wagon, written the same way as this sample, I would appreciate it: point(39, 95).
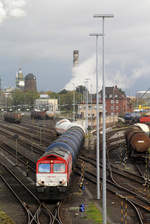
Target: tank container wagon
point(137, 140)
point(38, 115)
point(55, 167)
point(50, 114)
point(13, 117)
point(64, 124)
point(42, 115)
point(132, 118)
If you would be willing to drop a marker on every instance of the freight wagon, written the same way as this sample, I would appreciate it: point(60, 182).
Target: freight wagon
point(137, 140)
point(14, 117)
point(42, 115)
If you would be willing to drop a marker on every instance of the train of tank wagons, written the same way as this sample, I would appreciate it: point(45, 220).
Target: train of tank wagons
point(55, 167)
point(16, 117)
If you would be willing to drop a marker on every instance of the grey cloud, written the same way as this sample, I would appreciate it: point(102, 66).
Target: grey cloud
point(50, 31)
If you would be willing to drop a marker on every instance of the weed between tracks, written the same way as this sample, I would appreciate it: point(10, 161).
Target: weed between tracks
point(94, 214)
point(4, 219)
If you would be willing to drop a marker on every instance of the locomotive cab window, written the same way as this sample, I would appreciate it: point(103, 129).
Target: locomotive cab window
point(59, 167)
point(44, 168)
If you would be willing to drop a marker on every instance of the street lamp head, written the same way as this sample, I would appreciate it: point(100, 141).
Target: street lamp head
point(103, 16)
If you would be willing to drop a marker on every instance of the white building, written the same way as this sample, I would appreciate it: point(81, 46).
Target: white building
point(20, 79)
point(45, 103)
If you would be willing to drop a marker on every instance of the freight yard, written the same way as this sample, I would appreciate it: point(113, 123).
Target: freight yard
point(74, 112)
point(127, 177)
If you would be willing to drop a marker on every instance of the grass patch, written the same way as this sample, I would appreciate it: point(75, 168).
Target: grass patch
point(4, 219)
point(94, 214)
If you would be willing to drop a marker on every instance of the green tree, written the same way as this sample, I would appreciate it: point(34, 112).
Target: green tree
point(30, 97)
point(81, 89)
point(64, 91)
point(20, 97)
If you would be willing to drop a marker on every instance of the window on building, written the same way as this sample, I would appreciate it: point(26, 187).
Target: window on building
point(112, 101)
point(112, 107)
point(117, 101)
point(110, 95)
point(117, 107)
point(116, 96)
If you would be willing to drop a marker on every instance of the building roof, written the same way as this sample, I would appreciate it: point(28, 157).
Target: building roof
point(30, 76)
point(113, 91)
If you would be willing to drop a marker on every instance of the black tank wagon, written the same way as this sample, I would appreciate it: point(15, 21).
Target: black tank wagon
point(13, 117)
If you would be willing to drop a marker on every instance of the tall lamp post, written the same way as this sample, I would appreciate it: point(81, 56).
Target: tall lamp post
point(87, 104)
point(97, 117)
point(103, 16)
point(74, 99)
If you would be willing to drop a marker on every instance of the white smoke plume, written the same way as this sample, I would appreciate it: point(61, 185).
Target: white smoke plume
point(11, 8)
point(124, 76)
point(82, 74)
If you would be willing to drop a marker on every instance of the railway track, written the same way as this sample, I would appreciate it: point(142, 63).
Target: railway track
point(35, 211)
point(127, 192)
point(38, 138)
point(127, 186)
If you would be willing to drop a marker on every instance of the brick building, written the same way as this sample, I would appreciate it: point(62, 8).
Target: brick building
point(116, 104)
point(116, 101)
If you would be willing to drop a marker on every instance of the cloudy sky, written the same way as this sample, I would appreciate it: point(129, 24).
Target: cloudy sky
point(40, 35)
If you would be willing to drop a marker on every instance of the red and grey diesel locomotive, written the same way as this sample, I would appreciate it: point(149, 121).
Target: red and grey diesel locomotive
point(54, 168)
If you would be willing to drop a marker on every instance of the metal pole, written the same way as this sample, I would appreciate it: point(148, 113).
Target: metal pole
point(103, 16)
point(97, 123)
point(74, 104)
point(86, 105)
point(40, 135)
point(104, 132)
point(16, 150)
point(91, 108)
point(97, 119)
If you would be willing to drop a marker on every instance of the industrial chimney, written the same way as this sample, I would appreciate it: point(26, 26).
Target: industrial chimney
point(75, 58)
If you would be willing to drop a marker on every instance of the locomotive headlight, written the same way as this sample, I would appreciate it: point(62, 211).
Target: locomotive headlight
point(62, 181)
point(41, 182)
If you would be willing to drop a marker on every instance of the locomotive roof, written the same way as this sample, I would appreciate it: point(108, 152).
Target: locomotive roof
point(61, 152)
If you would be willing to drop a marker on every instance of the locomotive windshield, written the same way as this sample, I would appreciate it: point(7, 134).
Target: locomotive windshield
point(59, 167)
point(44, 168)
